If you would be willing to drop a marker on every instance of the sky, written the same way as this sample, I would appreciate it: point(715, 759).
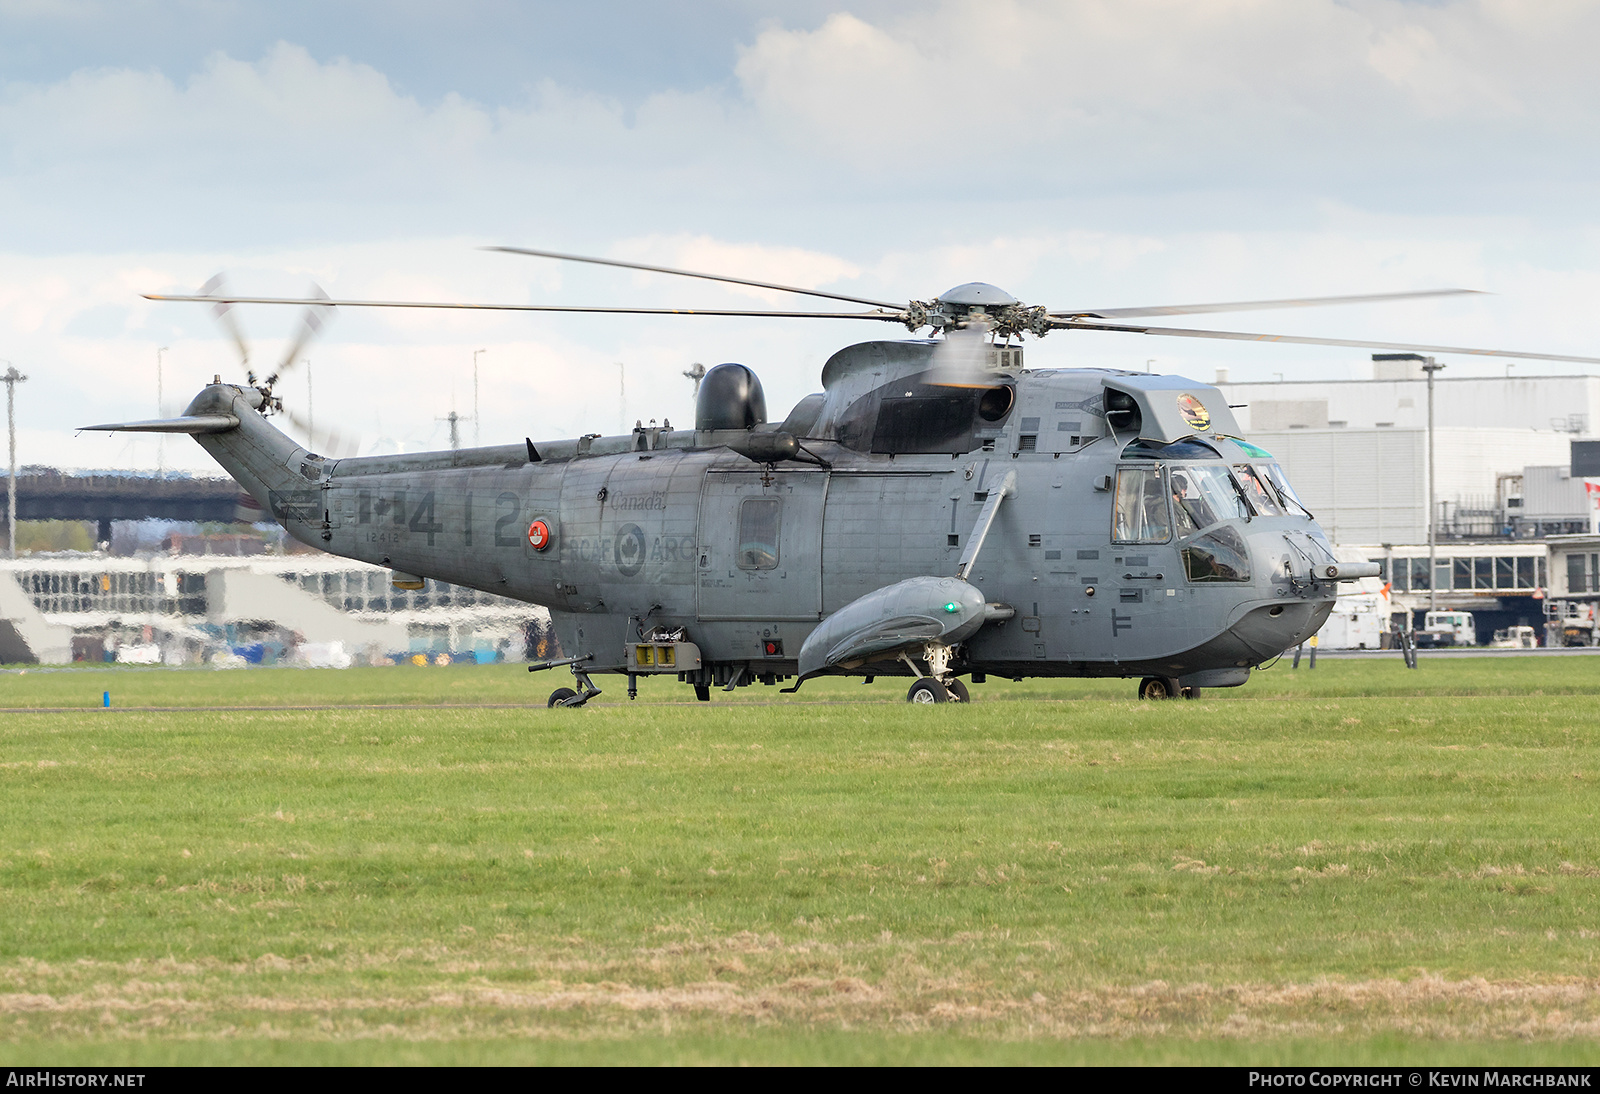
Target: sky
point(1078, 153)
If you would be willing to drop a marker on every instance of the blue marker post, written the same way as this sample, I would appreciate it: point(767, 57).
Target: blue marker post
point(105, 700)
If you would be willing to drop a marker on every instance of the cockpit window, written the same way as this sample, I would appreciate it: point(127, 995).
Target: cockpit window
point(1141, 508)
point(1291, 500)
point(1177, 450)
point(1260, 495)
point(1220, 556)
point(1203, 495)
point(1253, 450)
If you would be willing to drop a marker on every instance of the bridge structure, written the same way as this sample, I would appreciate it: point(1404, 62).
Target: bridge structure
point(44, 493)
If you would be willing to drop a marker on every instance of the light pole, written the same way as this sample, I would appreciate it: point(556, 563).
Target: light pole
point(1429, 366)
point(161, 439)
point(12, 378)
point(477, 433)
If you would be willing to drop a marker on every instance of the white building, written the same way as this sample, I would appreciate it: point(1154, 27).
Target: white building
point(1357, 450)
point(1397, 398)
point(188, 608)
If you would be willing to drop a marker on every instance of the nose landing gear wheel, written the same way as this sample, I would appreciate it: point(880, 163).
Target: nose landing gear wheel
point(560, 697)
point(1159, 687)
point(958, 691)
point(927, 690)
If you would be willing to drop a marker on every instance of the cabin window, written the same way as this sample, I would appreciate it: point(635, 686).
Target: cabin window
point(1220, 556)
point(758, 533)
point(1141, 514)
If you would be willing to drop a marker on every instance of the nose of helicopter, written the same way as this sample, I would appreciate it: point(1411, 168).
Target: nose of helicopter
point(1265, 631)
point(1301, 604)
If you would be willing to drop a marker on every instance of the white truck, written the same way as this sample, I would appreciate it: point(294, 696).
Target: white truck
point(1515, 638)
point(1447, 629)
point(1358, 622)
point(1571, 623)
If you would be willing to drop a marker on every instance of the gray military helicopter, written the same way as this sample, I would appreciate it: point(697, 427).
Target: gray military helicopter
point(937, 511)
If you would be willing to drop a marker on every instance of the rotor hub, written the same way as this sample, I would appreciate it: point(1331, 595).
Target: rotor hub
point(976, 295)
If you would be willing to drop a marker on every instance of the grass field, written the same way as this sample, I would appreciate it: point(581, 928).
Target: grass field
point(1359, 864)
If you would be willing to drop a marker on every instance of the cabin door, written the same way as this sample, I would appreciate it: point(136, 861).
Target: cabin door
point(760, 554)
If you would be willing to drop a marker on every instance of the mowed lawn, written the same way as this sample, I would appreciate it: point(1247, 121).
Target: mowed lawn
point(1356, 864)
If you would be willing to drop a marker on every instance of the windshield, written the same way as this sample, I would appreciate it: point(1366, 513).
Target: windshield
point(1202, 496)
point(1291, 501)
point(1258, 492)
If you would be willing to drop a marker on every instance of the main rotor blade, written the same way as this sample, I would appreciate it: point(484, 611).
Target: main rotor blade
point(1179, 332)
point(312, 320)
point(691, 273)
point(892, 317)
point(1259, 305)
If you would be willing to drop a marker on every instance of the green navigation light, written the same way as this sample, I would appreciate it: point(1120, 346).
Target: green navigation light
point(952, 607)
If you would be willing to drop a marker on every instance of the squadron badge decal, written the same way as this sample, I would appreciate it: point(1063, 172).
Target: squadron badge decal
point(1194, 411)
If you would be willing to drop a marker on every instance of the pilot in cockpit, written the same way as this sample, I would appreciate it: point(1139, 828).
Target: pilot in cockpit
point(1189, 506)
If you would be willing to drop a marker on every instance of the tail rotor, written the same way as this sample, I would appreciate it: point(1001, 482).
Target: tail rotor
point(313, 320)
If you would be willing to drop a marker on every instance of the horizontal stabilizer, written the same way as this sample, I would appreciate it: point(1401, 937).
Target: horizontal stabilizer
point(196, 423)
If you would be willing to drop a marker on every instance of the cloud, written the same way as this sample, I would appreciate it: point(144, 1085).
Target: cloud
point(1179, 94)
point(852, 129)
point(1078, 153)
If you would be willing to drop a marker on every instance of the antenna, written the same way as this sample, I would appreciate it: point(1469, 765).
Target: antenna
point(11, 378)
point(476, 432)
point(161, 440)
point(453, 418)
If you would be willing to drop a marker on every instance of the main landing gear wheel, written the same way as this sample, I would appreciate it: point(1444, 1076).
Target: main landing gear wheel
point(927, 690)
point(958, 691)
point(1191, 693)
point(1159, 687)
point(560, 697)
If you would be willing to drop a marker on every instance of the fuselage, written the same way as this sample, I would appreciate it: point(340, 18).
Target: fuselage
point(1184, 557)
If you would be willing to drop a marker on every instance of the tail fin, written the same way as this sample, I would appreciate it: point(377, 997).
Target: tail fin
point(282, 475)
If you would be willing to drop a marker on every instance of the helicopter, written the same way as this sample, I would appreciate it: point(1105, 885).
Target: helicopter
point(939, 511)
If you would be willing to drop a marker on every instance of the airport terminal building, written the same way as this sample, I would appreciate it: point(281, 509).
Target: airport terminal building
point(1515, 517)
point(312, 609)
